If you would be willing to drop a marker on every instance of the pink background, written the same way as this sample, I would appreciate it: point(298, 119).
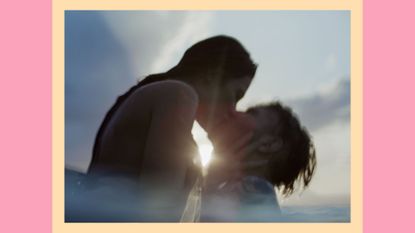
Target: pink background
point(25, 119)
point(389, 116)
point(25, 99)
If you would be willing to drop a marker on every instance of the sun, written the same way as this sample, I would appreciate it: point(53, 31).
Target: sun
point(204, 145)
point(205, 151)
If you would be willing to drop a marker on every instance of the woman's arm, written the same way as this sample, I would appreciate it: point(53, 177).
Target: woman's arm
point(169, 148)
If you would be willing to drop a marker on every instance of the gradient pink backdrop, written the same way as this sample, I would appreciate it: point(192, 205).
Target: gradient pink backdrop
point(25, 123)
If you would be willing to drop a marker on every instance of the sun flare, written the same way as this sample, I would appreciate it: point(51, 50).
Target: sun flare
point(205, 151)
point(203, 143)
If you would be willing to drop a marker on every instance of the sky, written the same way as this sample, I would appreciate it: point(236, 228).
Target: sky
point(303, 57)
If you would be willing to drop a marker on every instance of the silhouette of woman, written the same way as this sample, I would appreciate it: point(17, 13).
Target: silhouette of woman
point(147, 133)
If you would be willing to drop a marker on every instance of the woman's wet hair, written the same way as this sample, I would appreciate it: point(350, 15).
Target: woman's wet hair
point(294, 164)
point(221, 54)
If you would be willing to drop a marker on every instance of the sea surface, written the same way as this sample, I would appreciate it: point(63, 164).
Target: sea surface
point(105, 203)
point(315, 214)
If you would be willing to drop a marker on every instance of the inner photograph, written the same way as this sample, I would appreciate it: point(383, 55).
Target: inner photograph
point(207, 116)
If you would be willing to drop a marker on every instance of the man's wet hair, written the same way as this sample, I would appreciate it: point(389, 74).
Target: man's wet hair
point(294, 163)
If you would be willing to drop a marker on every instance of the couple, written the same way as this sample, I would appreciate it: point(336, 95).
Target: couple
point(144, 148)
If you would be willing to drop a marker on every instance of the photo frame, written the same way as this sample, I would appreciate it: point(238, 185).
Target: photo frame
point(355, 8)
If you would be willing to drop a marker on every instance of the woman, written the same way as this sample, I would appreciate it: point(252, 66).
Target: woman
point(147, 133)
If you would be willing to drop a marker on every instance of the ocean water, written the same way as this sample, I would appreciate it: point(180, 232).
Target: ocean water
point(292, 214)
point(106, 203)
point(315, 214)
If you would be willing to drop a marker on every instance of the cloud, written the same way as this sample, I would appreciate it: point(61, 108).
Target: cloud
point(195, 27)
point(106, 52)
point(326, 115)
point(155, 40)
point(331, 63)
point(324, 107)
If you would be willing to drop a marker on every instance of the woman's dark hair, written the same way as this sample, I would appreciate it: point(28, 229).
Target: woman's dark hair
point(296, 160)
point(221, 54)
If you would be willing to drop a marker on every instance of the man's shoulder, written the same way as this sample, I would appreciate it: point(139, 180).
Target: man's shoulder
point(257, 185)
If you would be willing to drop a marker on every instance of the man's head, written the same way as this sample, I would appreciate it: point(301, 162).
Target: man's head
point(286, 147)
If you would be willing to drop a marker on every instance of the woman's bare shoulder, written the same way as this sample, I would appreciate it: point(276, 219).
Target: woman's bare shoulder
point(172, 89)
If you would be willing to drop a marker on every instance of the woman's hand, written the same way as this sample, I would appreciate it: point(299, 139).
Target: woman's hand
point(232, 135)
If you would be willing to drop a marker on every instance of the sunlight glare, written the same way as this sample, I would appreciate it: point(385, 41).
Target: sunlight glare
point(205, 151)
point(203, 143)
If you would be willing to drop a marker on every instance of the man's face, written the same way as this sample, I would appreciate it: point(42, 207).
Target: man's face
point(267, 130)
point(218, 101)
point(230, 133)
point(266, 121)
